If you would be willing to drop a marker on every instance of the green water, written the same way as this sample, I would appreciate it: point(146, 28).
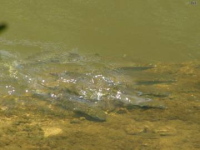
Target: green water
point(148, 30)
point(96, 74)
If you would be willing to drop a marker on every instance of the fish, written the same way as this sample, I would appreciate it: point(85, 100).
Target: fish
point(135, 68)
point(153, 82)
point(87, 87)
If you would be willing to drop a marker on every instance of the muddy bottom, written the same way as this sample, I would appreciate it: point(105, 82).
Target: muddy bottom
point(28, 122)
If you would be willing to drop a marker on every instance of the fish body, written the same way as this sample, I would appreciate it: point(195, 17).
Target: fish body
point(73, 82)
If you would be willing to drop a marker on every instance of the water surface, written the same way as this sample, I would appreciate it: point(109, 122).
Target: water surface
point(147, 30)
point(100, 74)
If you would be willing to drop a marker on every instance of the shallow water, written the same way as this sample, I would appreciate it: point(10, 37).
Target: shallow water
point(58, 103)
point(100, 75)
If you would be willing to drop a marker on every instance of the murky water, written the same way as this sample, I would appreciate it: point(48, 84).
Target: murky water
point(147, 30)
point(100, 74)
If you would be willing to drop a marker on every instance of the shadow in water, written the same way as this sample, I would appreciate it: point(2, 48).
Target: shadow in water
point(3, 26)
